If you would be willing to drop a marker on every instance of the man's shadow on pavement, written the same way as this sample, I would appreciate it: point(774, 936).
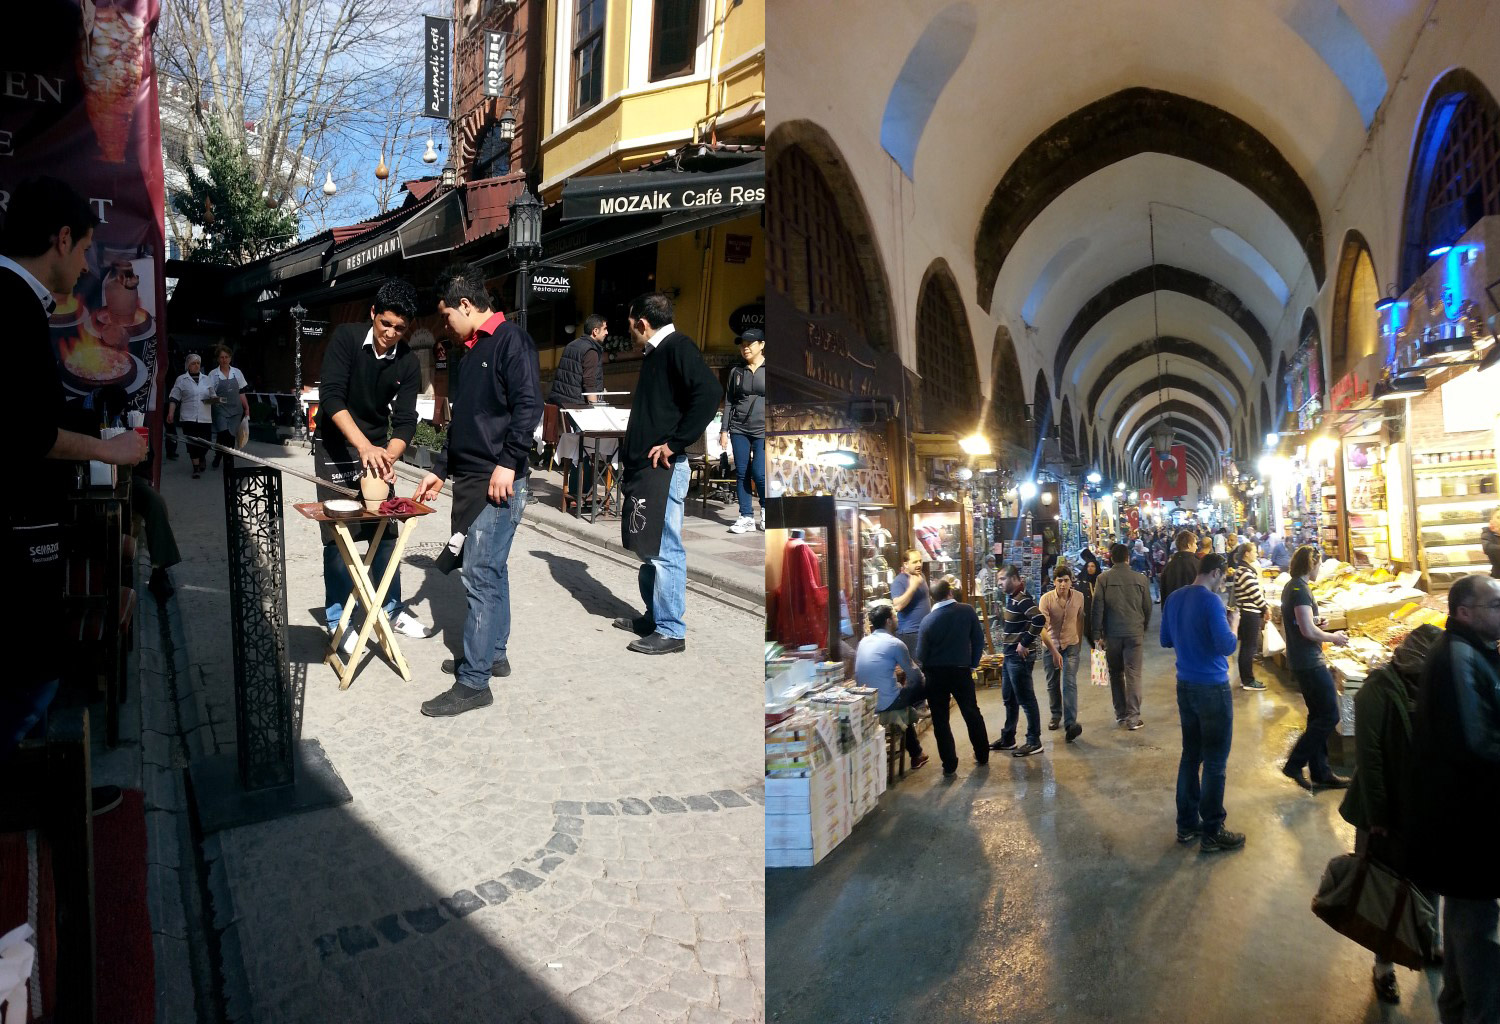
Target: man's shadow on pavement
point(573, 576)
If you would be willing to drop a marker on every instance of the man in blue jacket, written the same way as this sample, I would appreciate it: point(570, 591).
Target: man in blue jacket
point(949, 646)
point(1197, 625)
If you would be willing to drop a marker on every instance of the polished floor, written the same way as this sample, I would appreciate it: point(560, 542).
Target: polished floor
point(1051, 889)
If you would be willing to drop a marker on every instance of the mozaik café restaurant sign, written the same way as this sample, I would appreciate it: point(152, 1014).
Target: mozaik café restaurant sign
point(634, 192)
point(826, 356)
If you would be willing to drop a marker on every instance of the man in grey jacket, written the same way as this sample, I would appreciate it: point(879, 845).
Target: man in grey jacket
point(1122, 611)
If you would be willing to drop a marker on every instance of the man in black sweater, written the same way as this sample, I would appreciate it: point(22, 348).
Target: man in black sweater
point(675, 400)
point(497, 403)
point(949, 647)
point(45, 244)
point(370, 378)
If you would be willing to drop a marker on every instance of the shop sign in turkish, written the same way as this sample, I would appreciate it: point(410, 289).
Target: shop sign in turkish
point(79, 103)
point(314, 328)
point(550, 283)
point(1353, 388)
point(829, 352)
point(613, 195)
point(435, 101)
point(494, 63)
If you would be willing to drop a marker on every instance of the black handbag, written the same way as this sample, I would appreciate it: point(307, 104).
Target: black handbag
point(645, 492)
point(1362, 899)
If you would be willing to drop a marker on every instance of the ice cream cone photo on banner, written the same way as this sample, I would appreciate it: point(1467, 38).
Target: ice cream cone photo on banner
point(1169, 472)
point(111, 63)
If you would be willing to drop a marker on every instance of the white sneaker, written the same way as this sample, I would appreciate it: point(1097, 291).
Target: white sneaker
point(351, 636)
point(409, 625)
point(744, 524)
point(760, 520)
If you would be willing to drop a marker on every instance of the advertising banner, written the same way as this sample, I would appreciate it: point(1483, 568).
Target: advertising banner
point(79, 104)
point(435, 76)
point(494, 63)
point(1169, 472)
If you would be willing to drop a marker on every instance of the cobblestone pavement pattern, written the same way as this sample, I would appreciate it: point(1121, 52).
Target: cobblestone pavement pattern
point(589, 848)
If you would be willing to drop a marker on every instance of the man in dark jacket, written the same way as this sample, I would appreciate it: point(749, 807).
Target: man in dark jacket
point(950, 643)
point(1121, 613)
point(497, 403)
point(675, 400)
point(370, 379)
point(1489, 538)
point(578, 383)
point(1456, 797)
point(1376, 803)
point(1182, 568)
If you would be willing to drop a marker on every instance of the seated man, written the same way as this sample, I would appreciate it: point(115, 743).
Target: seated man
point(880, 656)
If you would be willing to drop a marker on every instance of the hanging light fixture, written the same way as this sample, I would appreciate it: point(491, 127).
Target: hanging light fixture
point(329, 188)
point(429, 155)
point(381, 170)
point(507, 126)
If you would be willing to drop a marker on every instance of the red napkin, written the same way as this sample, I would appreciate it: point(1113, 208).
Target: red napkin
point(399, 507)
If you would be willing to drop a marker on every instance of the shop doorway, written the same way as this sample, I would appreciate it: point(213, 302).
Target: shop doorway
point(618, 279)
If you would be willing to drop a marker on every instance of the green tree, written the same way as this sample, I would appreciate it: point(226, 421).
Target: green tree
point(228, 204)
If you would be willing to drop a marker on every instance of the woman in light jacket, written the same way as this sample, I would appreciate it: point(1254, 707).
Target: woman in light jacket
point(194, 411)
point(744, 426)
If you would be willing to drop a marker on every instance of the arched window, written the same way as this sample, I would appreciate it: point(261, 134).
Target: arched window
point(1068, 438)
point(1007, 398)
point(811, 257)
point(1041, 410)
point(1455, 170)
point(945, 356)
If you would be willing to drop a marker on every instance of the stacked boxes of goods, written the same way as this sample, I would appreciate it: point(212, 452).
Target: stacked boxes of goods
point(807, 789)
point(864, 759)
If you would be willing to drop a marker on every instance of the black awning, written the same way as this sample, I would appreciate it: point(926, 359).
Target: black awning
point(438, 228)
point(740, 188)
point(303, 260)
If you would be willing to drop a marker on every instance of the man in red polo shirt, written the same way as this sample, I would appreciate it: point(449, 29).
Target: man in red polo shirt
point(497, 403)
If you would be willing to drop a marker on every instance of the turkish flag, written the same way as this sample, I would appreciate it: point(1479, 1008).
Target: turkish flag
point(1169, 472)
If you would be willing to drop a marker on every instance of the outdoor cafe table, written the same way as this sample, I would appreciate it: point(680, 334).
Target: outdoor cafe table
point(366, 591)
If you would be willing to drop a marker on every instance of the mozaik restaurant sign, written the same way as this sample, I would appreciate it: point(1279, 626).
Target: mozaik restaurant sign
point(828, 352)
point(611, 195)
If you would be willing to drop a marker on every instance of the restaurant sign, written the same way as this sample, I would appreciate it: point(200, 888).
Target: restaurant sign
point(550, 283)
point(752, 314)
point(435, 102)
point(494, 63)
point(633, 192)
point(389, 245)
point(1352, 390)
point(830, 353)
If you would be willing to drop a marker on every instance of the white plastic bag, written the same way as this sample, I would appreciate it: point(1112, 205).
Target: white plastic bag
point(1098, 667)
point(16, 955)
point(1274, 644)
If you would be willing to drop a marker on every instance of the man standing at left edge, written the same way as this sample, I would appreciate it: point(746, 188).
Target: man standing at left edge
point(45, 243)
point(497, 403)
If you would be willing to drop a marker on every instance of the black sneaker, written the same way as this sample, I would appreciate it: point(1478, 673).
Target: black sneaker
point(1221, 840)
point(1192, 835)
point(640, 627)
point(499, 670)
point(1073, 732)
point(456, 700)
point(1386, 988)
point(1054, 724)
point(1332, 782)
point(1254, 684)
point(1027, 750)
point(1295, 774)
point(1003, 744)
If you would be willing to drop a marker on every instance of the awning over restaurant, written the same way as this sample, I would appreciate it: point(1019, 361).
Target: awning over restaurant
point(438, 228)
point(740, 188)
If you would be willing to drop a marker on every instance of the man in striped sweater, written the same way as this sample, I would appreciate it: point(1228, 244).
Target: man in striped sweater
point(1024, 627)
point(1251, 601)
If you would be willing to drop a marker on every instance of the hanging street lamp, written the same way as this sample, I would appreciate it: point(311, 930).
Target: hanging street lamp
point(525, 234)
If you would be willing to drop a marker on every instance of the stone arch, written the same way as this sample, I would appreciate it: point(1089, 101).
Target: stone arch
point(1007, 406)
point(1454, 178)
point(1164, 383)
point(1354, 332)
point(1181, 348)
point(1041, 409)
point(945, 355)
point(814, 205)
point(1066, 436)
point(1265, 421)
point(1119, 126)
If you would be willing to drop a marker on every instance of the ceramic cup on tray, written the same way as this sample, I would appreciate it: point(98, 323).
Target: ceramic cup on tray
point(374, 490)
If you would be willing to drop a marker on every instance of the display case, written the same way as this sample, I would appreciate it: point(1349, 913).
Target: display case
point(805, 577)
point(868, 559)
point(1330, 519)
point(1366, 516)
point(943, 531)
point(1453, 491)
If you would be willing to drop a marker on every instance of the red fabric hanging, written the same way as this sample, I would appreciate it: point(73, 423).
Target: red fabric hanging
point(802, 601)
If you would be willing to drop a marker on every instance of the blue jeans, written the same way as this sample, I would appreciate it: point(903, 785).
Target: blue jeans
point(1019, 691)
point(1322, 700)
point(663, 579)
point(22, 706)
point(487, 583)
point(1062, 684)
point(749, 464)
point(1207, 714)
point(338, 587)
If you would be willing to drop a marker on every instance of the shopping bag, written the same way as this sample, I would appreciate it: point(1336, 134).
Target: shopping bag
point(1274, 643)
point(242, 438)
point(1098, 667)
point(646, 491)
point(1364, 900)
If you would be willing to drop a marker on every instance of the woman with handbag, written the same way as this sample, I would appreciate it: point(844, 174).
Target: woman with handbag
point(1377, 803)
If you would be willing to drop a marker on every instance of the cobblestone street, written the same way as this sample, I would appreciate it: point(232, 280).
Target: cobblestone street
point(589, 848)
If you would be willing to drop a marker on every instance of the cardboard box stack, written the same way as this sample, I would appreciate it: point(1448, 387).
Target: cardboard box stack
point(806, 817)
